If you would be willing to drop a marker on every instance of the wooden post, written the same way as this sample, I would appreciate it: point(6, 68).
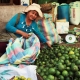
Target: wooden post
point(30, 2)
point(11, 1)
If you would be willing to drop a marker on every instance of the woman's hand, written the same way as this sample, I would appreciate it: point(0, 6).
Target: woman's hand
point(24, 34)
point(49, 43)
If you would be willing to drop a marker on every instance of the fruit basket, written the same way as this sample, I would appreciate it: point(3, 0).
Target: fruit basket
point(59, 63)
point(77, 44)
point(47, 8)
point(38, 77)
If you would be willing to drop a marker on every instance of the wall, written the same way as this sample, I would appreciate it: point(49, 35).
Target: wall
point(16, 2)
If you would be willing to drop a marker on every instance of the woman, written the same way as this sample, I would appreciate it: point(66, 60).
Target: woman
point(27, 23)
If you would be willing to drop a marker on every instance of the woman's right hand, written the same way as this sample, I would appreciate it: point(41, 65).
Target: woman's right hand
point(24, 34)
point(49, 43)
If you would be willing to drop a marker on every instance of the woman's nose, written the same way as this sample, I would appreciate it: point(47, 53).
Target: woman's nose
point(34, 15)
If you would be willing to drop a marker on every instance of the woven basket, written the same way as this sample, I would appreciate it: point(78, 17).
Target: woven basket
point(38, 77)
point(47, 7)
point(76, 45)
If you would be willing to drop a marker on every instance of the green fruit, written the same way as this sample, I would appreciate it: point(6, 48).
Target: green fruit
point(65, 73)
point(61, 67)
point(22, 77)
point(68, 78)
point(74, 67)
point(16, 78)
point(62, 61)
point(59, 54)
point(44, 77)
point(66, 56)
point(71, 73)
point(67, 62)
point(61, 77)
point(51, 71)
point(62, 57)
point(38, 70)
point(71, 52)
point(42, 74)
point(29, 79)
point(78, 62)
point(57, 73)
point(71, 56)
point(68, 68)
point(77, 73)
point(51, 77)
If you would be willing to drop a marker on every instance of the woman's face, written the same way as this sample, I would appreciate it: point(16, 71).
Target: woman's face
point(32, 15)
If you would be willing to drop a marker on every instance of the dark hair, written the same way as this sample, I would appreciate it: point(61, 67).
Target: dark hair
point(25, 12)
point(32, 10)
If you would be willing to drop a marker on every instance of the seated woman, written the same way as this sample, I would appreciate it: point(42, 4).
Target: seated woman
point(27, 23)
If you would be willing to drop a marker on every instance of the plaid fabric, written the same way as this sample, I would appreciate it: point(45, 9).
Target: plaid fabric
point(22, 50)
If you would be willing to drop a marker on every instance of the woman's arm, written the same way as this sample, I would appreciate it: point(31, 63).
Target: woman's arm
point(10, 26)
point(13, 29)
point(40, 35)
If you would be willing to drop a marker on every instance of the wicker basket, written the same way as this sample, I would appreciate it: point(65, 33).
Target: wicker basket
point(76, 45)
point(38, 77)
point(47, 7)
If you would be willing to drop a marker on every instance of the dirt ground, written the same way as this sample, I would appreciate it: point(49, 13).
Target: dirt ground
point(72, 26)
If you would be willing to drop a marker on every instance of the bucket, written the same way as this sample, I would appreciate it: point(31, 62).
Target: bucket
point(63, 12)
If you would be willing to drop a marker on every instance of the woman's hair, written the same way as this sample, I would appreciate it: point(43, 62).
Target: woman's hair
point(31, 10)
point(25, 12)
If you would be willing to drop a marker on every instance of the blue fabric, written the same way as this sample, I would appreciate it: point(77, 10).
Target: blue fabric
point(23, 27)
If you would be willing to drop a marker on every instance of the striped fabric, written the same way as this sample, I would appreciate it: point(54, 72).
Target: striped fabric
point(23, 50)
point(48, 29)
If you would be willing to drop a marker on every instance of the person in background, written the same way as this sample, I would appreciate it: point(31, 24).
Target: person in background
point(27, 23)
